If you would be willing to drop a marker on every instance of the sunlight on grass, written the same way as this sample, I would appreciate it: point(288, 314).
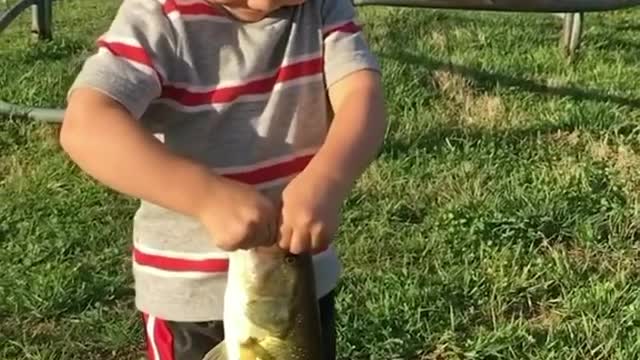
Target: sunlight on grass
point(499, 222)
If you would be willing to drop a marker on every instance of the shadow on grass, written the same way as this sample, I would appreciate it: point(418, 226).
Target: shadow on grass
point(443, 137)
point(491, 80)
point(617, 43)
point(627, 27)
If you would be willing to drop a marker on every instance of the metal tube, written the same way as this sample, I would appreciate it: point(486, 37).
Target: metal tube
point(572, 33)
point(37, 114)
point(35, 24)
point(41, 22)
point(509, 5)
point(567, 32)
point(576, 33)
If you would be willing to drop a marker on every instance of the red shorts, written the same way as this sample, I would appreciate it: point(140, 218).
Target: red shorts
point(173, 340)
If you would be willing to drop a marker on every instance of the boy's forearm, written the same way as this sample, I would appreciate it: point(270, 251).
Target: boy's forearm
point(357, 131)
point(103, 140)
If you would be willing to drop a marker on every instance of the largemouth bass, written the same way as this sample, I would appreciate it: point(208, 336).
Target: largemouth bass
point(270, 308)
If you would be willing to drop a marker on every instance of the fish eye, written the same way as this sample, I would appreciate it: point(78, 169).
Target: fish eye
point(289, 259)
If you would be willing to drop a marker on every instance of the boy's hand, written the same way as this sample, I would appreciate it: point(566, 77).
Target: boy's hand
point(237, 216)
point(310, 212)
point(312, 201)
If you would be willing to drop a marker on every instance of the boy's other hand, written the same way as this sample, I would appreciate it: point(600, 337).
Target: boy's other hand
point(238, 216)
point(310, 212)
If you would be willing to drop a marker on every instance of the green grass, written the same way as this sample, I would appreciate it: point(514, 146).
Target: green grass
point(499, 222)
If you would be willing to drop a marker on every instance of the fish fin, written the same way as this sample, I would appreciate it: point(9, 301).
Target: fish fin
point(219, 352)
point(281, 349)
point(247, 354)
point(257, 351)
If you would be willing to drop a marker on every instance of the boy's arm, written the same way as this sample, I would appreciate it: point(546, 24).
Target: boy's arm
point(356, 132)
point(103, 132)
point(353, 84)
point(107, 142)
point(312, 201)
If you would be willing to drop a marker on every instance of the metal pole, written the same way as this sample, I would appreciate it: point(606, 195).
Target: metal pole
point(35, 24)
point(572, 33)
point(576, 33)
point(567, 29)
point(51, 115)
point(41, 19)
point(556, 6)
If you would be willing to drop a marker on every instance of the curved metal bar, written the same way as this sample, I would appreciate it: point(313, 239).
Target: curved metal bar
point(509, 5)
point(41, 24)
point(37, 114)
point(43, 19)
point(8, 16)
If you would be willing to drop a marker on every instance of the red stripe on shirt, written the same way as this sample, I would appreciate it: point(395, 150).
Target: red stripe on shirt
point(218, 265)
point(231, 93)
point(272, 172)
point(177, 264)
point(349, 27)
point(190, 9)
point(130, 52)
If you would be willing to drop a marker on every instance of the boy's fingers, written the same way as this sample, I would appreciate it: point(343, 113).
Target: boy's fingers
point(257, 240)
point(284, 240)
point(300, 242)
point(262, 236)
point(319, 237)
point(271, 233)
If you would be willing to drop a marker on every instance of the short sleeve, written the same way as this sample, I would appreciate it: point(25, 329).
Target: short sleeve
point(133, 56)
point(345, 49)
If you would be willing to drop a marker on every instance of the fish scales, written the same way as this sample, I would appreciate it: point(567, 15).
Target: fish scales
point(270, 308)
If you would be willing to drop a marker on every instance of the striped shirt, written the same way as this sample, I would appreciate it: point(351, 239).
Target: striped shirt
point(248, 100)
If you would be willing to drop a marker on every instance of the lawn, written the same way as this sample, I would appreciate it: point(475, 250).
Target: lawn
point(500, 220)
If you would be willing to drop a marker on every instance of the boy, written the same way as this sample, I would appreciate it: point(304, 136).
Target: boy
point(239, 124)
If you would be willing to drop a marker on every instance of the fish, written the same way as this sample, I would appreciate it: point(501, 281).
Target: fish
point(270, 309)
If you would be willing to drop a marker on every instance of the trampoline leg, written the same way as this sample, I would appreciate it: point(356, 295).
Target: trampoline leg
point(41, 19)
point(572, 33)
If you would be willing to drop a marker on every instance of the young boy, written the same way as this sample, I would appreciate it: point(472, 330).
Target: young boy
point(238, 124)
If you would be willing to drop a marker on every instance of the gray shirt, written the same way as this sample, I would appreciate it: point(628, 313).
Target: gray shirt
point(249, 100)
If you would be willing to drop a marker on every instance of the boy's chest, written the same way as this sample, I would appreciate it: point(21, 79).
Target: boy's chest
point(251, 72)
point(246, 93)
point(278, 49)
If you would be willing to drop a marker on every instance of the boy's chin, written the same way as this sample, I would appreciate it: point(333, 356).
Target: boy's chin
point(248, 15)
